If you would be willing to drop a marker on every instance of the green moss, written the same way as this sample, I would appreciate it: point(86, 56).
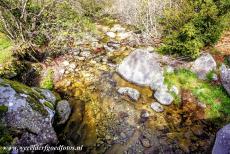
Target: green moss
point(33, 95)
point(210, 75)
point(5, 49)
point(212, 95)
point(47, 81)
point(49, 105)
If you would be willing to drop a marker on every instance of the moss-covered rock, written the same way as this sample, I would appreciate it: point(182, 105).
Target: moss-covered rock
point(29, 113)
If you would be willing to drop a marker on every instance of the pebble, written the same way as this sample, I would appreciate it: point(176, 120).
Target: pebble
point(111, 34)
point(65, 63)
point(132, 93)
point(157, 107)
point(145, 142)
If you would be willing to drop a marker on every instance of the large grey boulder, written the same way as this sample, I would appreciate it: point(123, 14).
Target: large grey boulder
point(142, 68)
point(63, 109)
point(225, 78)
point(222, 143)
point(27, 114)
point(132, 93)
point(203, 65)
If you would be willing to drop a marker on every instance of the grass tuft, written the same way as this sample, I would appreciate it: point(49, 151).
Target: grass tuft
point(212, 95)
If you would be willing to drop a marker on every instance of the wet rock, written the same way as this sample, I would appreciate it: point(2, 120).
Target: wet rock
point(203, 65)
point(85, 54)
point(108, 49)
point(26, 115)
point(132, 93)
point(225, 78)
point(163, 97)
point(111, 34)
point(63, 109)
point(222, 143)
point(145, 142)
point(197, 130)
point(114, 45)
point(157, 107)
point(145, 114)
point(141, 68)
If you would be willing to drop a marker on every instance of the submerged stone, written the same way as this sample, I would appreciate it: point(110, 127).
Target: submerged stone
point(157, 107)
point(63, 110)
point(132, 93)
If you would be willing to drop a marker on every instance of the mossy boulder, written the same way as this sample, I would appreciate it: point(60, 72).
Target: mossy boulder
point(29, 113)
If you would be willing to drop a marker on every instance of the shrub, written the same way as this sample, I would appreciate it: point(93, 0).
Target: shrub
point(193, 25)
point(47, 81)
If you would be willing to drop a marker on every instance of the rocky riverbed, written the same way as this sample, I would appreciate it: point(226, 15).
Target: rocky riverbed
point(122, 101)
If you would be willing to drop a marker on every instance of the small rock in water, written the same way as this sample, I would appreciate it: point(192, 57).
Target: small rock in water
point(163, 97)
point(157, 107)
point(111, 34)
point(114, 45)
point(63, 110)
point(108, 49)
point(145, 142)
point(145, 114)
point(132, 93)
point(85, 54)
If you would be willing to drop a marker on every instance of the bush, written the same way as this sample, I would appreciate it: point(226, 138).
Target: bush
point(47, 81)
point(193, 25)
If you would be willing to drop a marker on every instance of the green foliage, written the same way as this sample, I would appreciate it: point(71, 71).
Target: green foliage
point(212, 95)
point(93, 8)
point(5, 49)
point(47, 81)
point(195, 24)
point(40, 39)
point(210, 75)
